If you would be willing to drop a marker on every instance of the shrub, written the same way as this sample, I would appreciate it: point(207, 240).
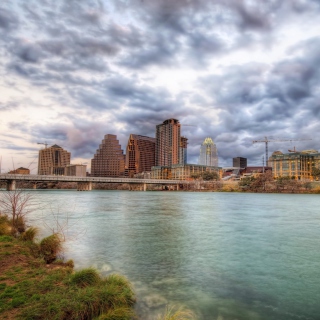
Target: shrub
point(29, 234)
point(70, 263)
point(50, 247)
point(85, 277)
point(4, 226)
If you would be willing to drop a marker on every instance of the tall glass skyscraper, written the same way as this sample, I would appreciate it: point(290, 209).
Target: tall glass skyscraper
point(208, 153)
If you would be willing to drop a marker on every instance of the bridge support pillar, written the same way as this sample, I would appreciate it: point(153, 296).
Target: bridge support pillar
point(177, 187)
point(11, 185)
point(84, 186)
point(144, 187)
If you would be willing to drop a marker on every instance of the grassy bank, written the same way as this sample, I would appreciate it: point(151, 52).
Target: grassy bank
point(32, 289)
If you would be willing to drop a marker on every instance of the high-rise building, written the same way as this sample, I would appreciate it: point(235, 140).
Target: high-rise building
point(239, 162)
point(140, 154)
point(109, 159)
point(208, 153)
point(53, 160)
point(183, 150)
point(168, 143)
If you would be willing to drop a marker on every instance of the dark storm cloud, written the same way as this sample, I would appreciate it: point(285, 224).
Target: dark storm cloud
point(8, 19)
point(78, 136)
point(92, 61)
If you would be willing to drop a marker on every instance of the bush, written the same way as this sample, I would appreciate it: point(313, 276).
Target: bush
point(50, 247)
point(4, 226)
point(30, 234)
point(85, 277)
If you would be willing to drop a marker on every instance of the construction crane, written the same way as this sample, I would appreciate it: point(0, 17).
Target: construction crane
point(294, 150)
point(45, 143)
point(266, 141)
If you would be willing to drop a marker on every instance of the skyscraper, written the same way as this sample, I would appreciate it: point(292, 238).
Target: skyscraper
point(140, 154)
point(208, 153)
point(168, 143)
point(53, 160)
point(183, 150)
point(109, 159)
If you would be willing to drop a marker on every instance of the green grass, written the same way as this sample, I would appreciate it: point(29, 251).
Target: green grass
point(85, 277)
point(31, 289)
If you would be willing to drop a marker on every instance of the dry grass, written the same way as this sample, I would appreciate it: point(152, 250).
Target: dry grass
point(173, 313)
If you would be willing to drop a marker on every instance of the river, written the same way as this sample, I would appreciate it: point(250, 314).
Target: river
point(225, 256)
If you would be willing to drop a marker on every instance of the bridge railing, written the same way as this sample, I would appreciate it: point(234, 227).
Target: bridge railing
point(54, 178)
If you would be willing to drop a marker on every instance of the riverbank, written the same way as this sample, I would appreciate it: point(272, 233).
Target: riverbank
point(32, 289)
point(246, 185)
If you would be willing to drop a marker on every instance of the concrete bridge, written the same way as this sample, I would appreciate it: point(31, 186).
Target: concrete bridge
point(85, 183)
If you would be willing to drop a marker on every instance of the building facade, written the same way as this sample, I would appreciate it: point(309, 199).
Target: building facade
point(297, 165)
point(140, 155)
point(168, 142)
point(20, 170)
point(239, 162)
point(109, 159)
point(183, 150)
point(78, 170)
point(208, 153)
point(182, 171)
point(53, 160)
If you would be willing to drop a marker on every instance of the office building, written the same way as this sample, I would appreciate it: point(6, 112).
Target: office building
point(297, 165)
point(239, 162)
point(78, 170)
point(208, 153)
point(109, 159)
point(182, 171)
point(183, 150)
point(168, 143)
point(140, 154)
point(53, 160)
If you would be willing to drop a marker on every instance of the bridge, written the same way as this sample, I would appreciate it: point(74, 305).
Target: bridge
point(85, 183)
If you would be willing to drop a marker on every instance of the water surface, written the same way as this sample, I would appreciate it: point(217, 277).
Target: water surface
point(223, 255)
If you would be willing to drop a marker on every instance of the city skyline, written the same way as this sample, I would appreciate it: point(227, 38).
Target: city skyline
point(235, 71)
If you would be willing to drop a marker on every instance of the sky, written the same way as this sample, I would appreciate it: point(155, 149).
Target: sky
point(233, 70)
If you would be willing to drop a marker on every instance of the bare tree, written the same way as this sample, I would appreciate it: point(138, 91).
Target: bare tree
point(16, 205)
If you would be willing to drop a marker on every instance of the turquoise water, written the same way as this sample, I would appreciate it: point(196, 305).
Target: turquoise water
point(223, 255)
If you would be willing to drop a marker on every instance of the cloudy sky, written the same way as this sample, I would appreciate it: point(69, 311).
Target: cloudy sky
point(234, 70)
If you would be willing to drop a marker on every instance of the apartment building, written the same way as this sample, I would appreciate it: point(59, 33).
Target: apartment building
point(168, 143)
point(140, 154)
